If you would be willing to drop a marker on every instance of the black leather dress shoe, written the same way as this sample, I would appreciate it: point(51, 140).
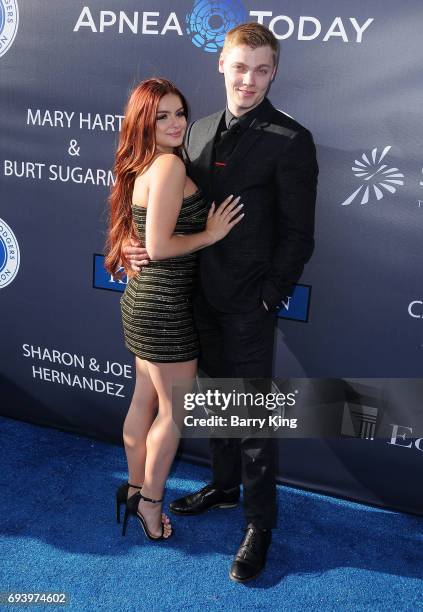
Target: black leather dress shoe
point(206, 498)
point(251, 556)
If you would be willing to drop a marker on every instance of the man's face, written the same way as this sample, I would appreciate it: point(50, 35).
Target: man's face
point(248, 73)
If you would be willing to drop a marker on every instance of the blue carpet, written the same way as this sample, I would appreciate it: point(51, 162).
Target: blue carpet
point(60, 534)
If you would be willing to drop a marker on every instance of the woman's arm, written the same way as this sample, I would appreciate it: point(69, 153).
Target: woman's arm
point(166, 192)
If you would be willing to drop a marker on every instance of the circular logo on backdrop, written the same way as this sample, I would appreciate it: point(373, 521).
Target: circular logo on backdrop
point(9, 255)
point(209, 21)
point(9, 21)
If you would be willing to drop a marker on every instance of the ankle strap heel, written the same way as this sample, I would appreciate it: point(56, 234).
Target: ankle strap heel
point(152, 501)
point(121, 496)
point(132, 509)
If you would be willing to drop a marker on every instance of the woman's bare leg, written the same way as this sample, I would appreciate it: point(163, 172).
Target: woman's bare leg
point(163, 438)
point(141, 414)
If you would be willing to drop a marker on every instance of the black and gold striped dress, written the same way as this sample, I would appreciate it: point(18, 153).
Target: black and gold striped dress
point(156, 306)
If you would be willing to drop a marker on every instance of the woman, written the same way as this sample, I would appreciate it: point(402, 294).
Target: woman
point(155, 200)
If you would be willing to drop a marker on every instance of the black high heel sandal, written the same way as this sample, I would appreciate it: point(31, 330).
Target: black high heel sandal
point(132, 508)
point(122, 496)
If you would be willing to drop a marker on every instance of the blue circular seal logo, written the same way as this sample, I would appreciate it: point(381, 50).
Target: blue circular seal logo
point(9, 255)
point(9, 21)
point(209, 21)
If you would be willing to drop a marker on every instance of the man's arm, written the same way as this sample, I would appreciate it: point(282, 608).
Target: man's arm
point(296, 181)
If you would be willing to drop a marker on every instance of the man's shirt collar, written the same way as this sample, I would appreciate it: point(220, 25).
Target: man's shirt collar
point(244, 120)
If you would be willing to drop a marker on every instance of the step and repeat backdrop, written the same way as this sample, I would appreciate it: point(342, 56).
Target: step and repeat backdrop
point(352, 74)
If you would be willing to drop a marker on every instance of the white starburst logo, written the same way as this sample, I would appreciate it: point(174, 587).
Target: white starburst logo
point(376, 177)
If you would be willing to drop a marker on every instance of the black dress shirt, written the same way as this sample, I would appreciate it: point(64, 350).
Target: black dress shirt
point(229, 134)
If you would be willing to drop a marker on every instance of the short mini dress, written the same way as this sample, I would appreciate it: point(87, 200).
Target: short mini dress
point(156, 306)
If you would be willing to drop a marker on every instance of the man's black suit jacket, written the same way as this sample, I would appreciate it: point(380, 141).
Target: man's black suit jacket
point(274, 170)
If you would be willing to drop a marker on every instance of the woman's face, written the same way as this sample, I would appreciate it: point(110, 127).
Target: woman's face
point(171, 123)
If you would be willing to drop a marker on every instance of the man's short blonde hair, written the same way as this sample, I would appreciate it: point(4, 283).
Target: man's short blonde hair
point(254, 35)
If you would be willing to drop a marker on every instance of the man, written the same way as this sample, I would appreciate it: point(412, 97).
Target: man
point(255, 151)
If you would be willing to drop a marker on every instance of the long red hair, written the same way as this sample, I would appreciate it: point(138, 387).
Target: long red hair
point(136, 150)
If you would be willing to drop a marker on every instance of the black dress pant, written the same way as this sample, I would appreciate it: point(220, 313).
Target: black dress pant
point(240, 345)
